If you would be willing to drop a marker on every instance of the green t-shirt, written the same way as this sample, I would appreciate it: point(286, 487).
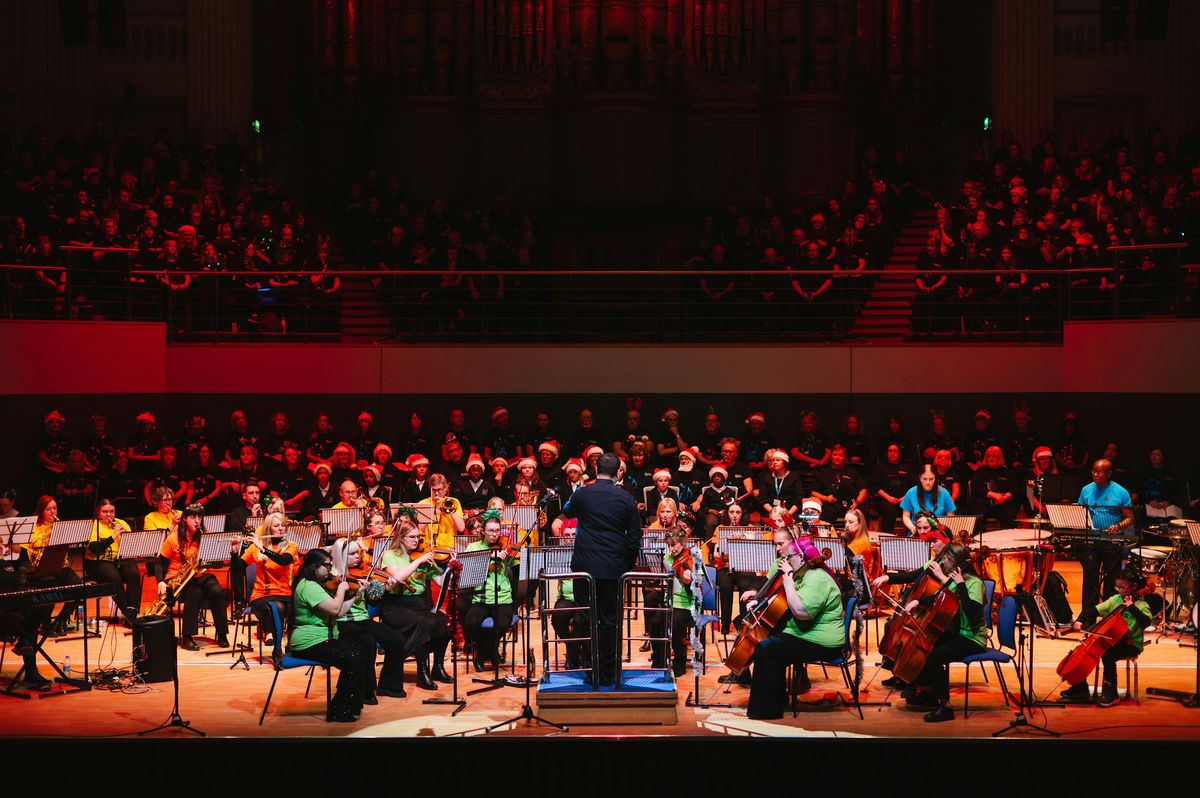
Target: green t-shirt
point(681, 594)
point(566, 589)
point(822, 597)
point(971, 628)
point(311, 626)
point(358, 610)
point(416, 583)
point(496, 589)
point(1135, 628)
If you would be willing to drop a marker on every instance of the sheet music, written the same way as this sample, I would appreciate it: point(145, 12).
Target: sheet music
point(523, 515)
point(306, 536)
point(539, 561)
point(214, 523)
point(651, 560)
point(903, 554)
point(751, 556)
point(216, 547)
point(342, 522)
point(461, 542)
point(71, 533)
point(959, 523)
point(19, 529)
point(139, 545)
point(474, 569)
point(837, 552)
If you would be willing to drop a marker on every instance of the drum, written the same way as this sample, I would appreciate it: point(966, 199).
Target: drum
point(1149, 559)
point(1016, 560)
point(154, 648)
point(1177, 530)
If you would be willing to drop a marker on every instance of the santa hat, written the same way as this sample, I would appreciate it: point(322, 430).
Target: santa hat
point(367, 416)
point(668, 412)
point(780, 453)
point(414, 460)
point(527, 461)
point(373, 470)
point(574, 463)
point(1042, 450)
point(661, 471)
point(382, 447)
point(144, 417)
point(474, 460)
point(494, 460)
point(757, 415)
point(318, 466)
point(592, 450)
point(54, 415)
point(810, 504)
point(691, 452)
point(498, 411)
point(718, 469)
point(548, 446)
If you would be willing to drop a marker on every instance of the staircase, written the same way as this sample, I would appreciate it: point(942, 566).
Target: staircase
point(885, 315)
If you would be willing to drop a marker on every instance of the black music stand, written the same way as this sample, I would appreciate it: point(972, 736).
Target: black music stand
point(174, 720)
point(67, 535)
point(216, 547)
point(1026, 697)
point(496, 682)
point(474, 571)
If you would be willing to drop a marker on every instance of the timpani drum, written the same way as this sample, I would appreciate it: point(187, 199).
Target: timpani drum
point(1149, 560)
point(1015, 560)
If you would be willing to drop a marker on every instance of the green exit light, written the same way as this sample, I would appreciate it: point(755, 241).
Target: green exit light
point(256, 126)
point(987, 123)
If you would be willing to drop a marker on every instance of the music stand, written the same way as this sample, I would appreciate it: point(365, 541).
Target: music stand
point(461, 542)
point(306, 536)
point(423, 511)
point(536, 563)
point(212, 523)
point(18, 530)
point(903, 554)
point(751, 556)
point(544, 563)
point(340, 523)
point(1068, 516)
point(472, 575)
point(523, 515)
point(837, 552)
point(959, 524)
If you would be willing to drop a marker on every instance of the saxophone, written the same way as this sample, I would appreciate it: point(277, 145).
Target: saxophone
point(175, 586)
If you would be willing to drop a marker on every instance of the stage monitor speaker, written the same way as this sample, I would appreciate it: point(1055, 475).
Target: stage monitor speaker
point(74, 22)
point(154, 648)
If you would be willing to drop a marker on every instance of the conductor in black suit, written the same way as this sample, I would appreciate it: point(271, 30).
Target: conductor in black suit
point(607, 540)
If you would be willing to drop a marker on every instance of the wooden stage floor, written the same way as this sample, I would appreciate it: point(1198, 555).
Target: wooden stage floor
point(224, 702)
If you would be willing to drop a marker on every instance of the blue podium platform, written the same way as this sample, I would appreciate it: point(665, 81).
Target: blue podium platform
point(646, 696)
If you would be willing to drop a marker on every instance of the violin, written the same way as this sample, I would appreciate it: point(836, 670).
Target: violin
point(682, 564)
point(352, 586)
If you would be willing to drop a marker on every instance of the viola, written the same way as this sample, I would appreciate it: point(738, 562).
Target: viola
point(1080, 662)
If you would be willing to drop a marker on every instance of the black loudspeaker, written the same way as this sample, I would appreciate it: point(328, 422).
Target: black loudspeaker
point(74, 22)
point(154, 648)
point(110, 24)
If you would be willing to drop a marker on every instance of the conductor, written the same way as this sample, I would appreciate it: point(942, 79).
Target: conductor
point(607, 540)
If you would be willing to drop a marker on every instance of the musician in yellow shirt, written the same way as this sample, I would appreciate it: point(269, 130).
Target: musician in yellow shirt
point(46, 511)
point(447, 514)
point(163, 516)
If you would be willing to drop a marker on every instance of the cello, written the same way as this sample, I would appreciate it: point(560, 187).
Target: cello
point(918, 632)
point(1081, 661)
point(768, 616)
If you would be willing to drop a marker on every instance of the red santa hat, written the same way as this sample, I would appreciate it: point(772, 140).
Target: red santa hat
point(548, 446)
point(382, 447)
point(574, 463)
point(658, 472)
point(473, 460)
point(527, 461)
point(691, 452)
point(498, 411)
point(757, 415)
point(718, 469)
point(592, 450)
point(414, 460)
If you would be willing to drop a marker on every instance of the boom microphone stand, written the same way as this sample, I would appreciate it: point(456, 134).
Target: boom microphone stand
point(1026, 700)
point(174, 721)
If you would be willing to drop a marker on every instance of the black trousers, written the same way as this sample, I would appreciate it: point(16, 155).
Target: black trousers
point(681, 622)
point(1108, 663)
point(237, 580)
point(1101, 563)
point(951, 647)
point(573, 624)
point(487, 641)
point(1005, 514)
point(369, 634)
point(768, 686)
point(261, 607)
point(347, 657)
point(608, 611)
point(126, 576)
point(730, 582)
point(888, 513)
point(204, 588)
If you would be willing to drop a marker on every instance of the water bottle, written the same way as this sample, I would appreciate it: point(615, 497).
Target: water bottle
point(67, 666)
point(79, 616)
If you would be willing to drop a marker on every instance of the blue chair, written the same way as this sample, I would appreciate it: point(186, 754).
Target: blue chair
point(288, 662)
point(708, 603)
point(1006, 636)
point(842, 662)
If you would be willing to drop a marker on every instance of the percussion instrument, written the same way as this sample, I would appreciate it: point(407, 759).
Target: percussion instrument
point(1015, 560)
point(1150, 560)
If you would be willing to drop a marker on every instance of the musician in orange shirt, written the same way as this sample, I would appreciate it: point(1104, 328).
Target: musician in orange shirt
point(177, 550)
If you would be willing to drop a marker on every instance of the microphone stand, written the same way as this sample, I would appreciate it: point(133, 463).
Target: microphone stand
point(173, 721)
point(1026, 699)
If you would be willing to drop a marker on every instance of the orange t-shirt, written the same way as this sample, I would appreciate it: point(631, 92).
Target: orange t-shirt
point(272, 578)
point(175, 557)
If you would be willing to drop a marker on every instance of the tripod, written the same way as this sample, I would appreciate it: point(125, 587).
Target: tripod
point(1026, 699)
point(527, 713)
point(174, 721)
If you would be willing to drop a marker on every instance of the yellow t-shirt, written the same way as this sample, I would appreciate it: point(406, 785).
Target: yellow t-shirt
point(101, 531)
point(443, 529)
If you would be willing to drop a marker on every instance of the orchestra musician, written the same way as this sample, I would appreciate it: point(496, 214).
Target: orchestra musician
point(348, 496)
point(163, 516)
point(928, 529)
point(356, 626)
point(569, 625)
point(494, 598)
point(314, 634)
point(239, 518)
point(1110, 512)
point(177, 550)
point(276, 561)
point(46, 512)
point(406, 607)
point(1137, 613)
point(926, 496)
point(812, 633)
point(681, 603)
point(101, 561)
point(22, 622)
point(964, 637)
point(447, 514)
point(729, 582)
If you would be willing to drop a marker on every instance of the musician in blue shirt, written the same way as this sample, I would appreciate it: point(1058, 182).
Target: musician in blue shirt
point(1110, 513)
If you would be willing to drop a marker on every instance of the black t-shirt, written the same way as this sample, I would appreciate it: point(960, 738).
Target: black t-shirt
point(291, 483)
point(787, 489)
point(754, 447)
point(582, 439)
point(709, 445)
point(978, 444)
point(121, 486)
point(858, 452)
point(468, 441)
point(234, 442)
point(843, 484)
point(204, 481)
point(416, 443)
point(717, 499)
point(502, 443)
point(1019, 447)
point(1159, 485)
point(996, 480)
point(894, 480)
point(170, 477)
point(813, 446)
point(949, 480)
point(273, 445)
point(101, 453)
point(322, 444)
point(56, 447)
